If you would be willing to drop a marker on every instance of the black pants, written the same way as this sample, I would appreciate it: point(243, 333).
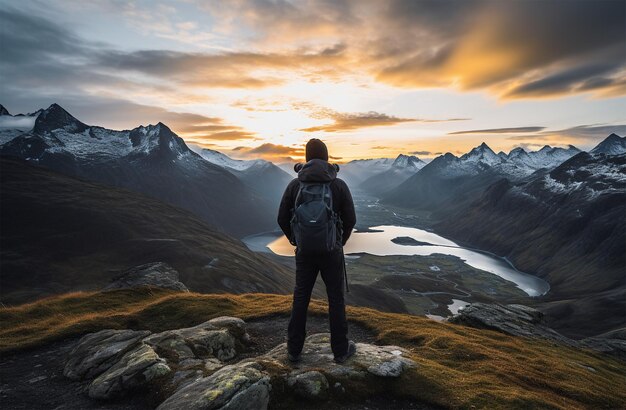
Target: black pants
point(331, 267)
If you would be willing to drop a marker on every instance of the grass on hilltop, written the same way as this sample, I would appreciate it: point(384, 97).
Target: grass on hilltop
point(458, 367)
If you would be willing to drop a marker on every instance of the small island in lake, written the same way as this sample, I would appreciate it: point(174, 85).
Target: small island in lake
point(408, 241)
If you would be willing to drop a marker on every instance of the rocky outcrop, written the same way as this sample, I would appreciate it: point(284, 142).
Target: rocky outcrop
point(157, 274)
point(97, 352)
point(520, 320)
point(118, 361)
point(196, 367)
point(240, 386)
point(136, 368)
point(381, 361)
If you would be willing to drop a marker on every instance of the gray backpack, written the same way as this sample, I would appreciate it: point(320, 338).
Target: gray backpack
point(315, 226)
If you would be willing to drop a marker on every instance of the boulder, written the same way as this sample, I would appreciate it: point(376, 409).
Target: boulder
point(516, 320)
point(310, 385)
point(136, 368)
point(235, 387)
point(157, 274)
point(373, 360)
point(97, 352)
point(520, 320)
point(219, 338)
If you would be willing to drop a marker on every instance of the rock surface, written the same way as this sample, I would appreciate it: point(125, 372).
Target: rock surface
point(158, 274)
point(118, 361)
point(309, 385)
point(369, 361)
point(520, 320)
point(240, 386)
point(97, 352)
point(136, 368)
point(196, 367)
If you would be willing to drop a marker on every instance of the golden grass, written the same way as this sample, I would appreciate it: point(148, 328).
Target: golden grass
point(459, 367)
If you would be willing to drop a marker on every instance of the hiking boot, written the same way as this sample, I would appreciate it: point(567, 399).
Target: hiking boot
point(351, 351)
point(293, 358)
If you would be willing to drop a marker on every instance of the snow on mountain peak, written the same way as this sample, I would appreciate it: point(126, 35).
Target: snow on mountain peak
point(611, 145)
point(408, 161)
point(482, 153)
point(54, 118)
point(223, 160)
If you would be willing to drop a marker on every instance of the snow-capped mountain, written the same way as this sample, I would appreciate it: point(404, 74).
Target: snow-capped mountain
point(403, 167)
point(483, 155)
point(566, 224)
point(149, 159)
point(612, 145)
point(408, 161)
point(260, 175)
point(464, 177)
point(357, 171)
point(520, 163)
point(225, 161)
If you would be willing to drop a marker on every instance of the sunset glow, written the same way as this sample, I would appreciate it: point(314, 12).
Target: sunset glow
point(372, 78)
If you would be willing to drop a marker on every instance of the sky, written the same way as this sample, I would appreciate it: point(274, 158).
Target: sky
point(372, 78)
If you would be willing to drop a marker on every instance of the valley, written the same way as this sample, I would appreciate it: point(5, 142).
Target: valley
point(543, 228)
point(420, 279)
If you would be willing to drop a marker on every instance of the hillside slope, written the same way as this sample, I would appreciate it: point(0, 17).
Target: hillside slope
point(457, 366)
point(61, 234)
point(567, 226)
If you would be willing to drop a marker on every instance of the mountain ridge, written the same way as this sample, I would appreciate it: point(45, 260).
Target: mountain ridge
point(151, 160)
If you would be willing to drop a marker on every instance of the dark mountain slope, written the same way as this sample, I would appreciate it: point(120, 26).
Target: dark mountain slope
point(61, 234)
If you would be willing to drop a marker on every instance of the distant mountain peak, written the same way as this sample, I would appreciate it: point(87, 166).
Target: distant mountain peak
point(4, 111)
point(54, 118)
point(482, 153)
point(405, 161)
point(611, 145)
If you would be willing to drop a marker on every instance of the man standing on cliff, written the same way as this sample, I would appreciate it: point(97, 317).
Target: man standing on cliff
point(317, 215)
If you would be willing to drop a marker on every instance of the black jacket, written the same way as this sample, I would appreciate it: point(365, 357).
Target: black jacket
point(317, 170)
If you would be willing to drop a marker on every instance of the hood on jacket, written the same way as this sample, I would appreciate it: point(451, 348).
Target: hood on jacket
point(316, 170)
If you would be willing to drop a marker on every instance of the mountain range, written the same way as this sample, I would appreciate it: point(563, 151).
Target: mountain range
point(151, 160)
point(448, 181)
point(568, 226)
point(556, 212)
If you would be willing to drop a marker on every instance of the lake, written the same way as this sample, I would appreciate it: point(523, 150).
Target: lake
point(377, 240)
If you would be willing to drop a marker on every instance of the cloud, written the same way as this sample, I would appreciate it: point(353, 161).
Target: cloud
point(509, 130)
point(425, 153)
point(584, 136)
point(269, 151)
point(580, 132)
point(513, 49)
point(353, 121)
point(348, 122)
